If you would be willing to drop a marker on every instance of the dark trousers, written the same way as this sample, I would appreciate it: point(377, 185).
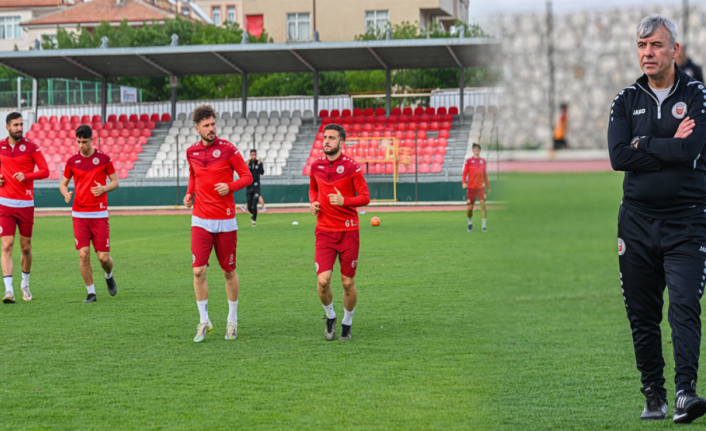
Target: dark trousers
point(654, 254)
point(252, 196)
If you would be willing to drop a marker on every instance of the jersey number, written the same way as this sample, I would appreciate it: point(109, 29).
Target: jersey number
point(29, 192)
point(351, 223)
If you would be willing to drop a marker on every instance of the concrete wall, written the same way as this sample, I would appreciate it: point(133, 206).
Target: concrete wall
point(595, 57)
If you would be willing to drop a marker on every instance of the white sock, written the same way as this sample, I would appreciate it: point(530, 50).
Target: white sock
point(8, 283)
point(347, 317)
point(330, 314)
point(485, 221)
point(232, 311)
point(91, 289)
point(203, 310)
point(25, 279)
point(470, 220)
point(109, 276)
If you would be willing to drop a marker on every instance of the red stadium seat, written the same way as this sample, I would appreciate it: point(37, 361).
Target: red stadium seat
point(401, 126)
point(123, 157)
point(360, 112)
point(335, 113)
point(142, 140)
point(51, 150)
point(379, 111)
point(348, 120)
point(447, 117)
point(118, 126)
point(140, 125)
point(438, 158)
point(122, 118)
point(389, 168)
point(435, 168)
point(36, 127)
point(122, 174)
point(445, 125)
point(132, 157)
point(401, 169)
point(337, 119)
point(71, 134)
point(325, 121)
point(108, 126)
point(346, 127)
point(144, 117)
point(117, 165)
point(407, 111)
point(42, 119)
point(377, 168)
point(53, 119)
point(166, 117)
point(55, 175)
point(323, 113)
point(96, 119)
point(437, 117)
point(128, 165)
point(46, 127)
point(419, 110)
point(150, 125)
point(97, 126)
point(411, 168)
point(403, 118)
point(361, 119)
point(414, 118)
point(423, 168)
point(120, 141)
point(412, 126)
point(444, 134)
point(364, 168)
point(440, 151)
point(134, 118)
point(125, 133)
point(115, 133)
point(138, 132)
point(441, 110)
point(129, 125)
point(103, 133)
point(453, 110)
point(427, 151)
point(64, 119)
point(155, 117)
point(307, 171)
point(434, 125)
point(346, 113)
point(51, 134)
point(396, 111)
point(381, 119)
point(56, 126)
point(430, 111)
point(56, 158)
point(442, 142)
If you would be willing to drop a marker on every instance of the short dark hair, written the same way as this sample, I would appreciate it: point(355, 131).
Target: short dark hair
point(253, 151)
point(341, 131)
point(203, 112)
point(12, 116)
point(476, 145)
point(564, 106)
point(84, 132)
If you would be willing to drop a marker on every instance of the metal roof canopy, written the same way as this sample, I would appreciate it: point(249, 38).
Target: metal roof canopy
point(253, 58)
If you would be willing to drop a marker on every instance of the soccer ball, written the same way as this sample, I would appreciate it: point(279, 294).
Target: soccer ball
point(375, 221)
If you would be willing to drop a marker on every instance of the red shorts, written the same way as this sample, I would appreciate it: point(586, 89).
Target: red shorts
point(92, 229)
point(22, 218)
point(473, 193)
point(203, 241)
point(344, 244)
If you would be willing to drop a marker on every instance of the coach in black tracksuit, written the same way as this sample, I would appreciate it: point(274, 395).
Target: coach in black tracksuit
point(252, 192)
point(662, 224)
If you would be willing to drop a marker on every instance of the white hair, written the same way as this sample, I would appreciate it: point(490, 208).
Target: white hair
point(654, 22)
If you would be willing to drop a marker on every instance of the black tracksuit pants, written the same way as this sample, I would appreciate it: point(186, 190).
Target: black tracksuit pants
point(653, 254)
point(252, 196)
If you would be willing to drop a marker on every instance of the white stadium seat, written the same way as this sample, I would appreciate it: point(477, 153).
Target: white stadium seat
point(252, 114)
point(307, 115)
point(296, 113)
point(285, 121)
point(227, 130)
point(274, 121)
point(284, 114)
point(178, 123)
point(225, 115)
point(242, 122)
point(276, 145)
point(263, 122)
point(174, 131)
point(237, 115)
point(263, 146)
point(239, 130)
point(293, 129)
point(286, 145)
point(296, 121)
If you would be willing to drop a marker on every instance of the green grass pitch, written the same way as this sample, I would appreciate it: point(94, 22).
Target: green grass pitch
point(522, 327)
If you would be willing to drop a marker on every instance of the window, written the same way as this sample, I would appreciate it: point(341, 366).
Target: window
point(230, 14)
point(298, 26)
point(376, 19)
point(216, 15)
point(10, 27)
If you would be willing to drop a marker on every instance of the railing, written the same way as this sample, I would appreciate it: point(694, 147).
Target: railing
point(56, 92)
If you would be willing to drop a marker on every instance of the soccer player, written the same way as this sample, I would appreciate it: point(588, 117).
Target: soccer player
point(252, 193)
point(475, 179)
point(90, 169)
point(656, 134)
point(18, 158)
point(212, 162)
point(336, 188)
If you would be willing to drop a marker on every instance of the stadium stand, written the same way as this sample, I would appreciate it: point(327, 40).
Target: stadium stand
point(483, 127)
point(370, 138)
point(123, 138)
point(271, 133)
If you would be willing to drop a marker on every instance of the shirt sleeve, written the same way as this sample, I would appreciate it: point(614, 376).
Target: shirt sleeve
point(238, 164)
point(192, 182)
point(43, 169)
point(109, 168)
point(623, 157)
point(679, 150)
point(67, 172)
point(260, 168)
point(465, 173)
point(361, 189)
point(485, 175)
point(313, 189)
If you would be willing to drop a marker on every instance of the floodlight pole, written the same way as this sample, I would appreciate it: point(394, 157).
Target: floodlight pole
point(173, 84)
point(104, 99)
point(316, 98)
point(388, 92)
point(462, 90)
point(244, 108)
point(19, 94)
point(34, 98)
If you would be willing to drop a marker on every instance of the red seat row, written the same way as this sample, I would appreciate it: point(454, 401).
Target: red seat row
point(388, 168)
point(390, 128)
point(392, 119)
point(123, 118)
point(69, 126)
point(357, 112)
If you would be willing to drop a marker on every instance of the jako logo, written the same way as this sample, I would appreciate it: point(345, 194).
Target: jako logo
point(638, 112)
point(702, 249)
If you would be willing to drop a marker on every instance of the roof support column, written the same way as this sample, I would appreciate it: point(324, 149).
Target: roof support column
point(34, 99)
point(316, 98)
point(462, 88)
point(245, 95)
point(174, 102)
point(104, 100)
point(388, 92)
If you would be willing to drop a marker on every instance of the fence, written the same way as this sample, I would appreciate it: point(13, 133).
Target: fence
point(426, 97)
point(56, 92)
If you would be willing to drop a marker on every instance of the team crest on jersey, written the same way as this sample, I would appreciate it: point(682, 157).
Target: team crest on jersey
point(481, 162)
point(76, 239)
point(96, 161)
point(217, 153)
point(340, 169)
point(621, 247)
point(193, 259)
point(0, 229)
point(679, 110)
point(22, 148)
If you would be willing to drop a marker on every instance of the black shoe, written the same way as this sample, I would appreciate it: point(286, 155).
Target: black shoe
point(655, 406)
point(112, 287)
point(330, 332)
point(345, 332)
point(688, 406)
point(91, 298)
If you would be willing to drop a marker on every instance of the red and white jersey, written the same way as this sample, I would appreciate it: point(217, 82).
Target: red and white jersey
point(23, 157)
point(345, 175)
point(208, 166)
point(86, 171)
point(475, 170)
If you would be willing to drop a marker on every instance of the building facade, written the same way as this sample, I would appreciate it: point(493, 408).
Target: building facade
point(342, 20)
point(15, 12)
point(222, 12)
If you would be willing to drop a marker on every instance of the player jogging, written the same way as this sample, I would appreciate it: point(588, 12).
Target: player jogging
point(475, 179)
point(18, 158)
point(336, 188)
point(656, 134)
point(90, 169)
point(212, 162)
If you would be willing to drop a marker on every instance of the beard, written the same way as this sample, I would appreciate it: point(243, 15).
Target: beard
point(16, 136)
point(208, 138)
point(332, 151)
